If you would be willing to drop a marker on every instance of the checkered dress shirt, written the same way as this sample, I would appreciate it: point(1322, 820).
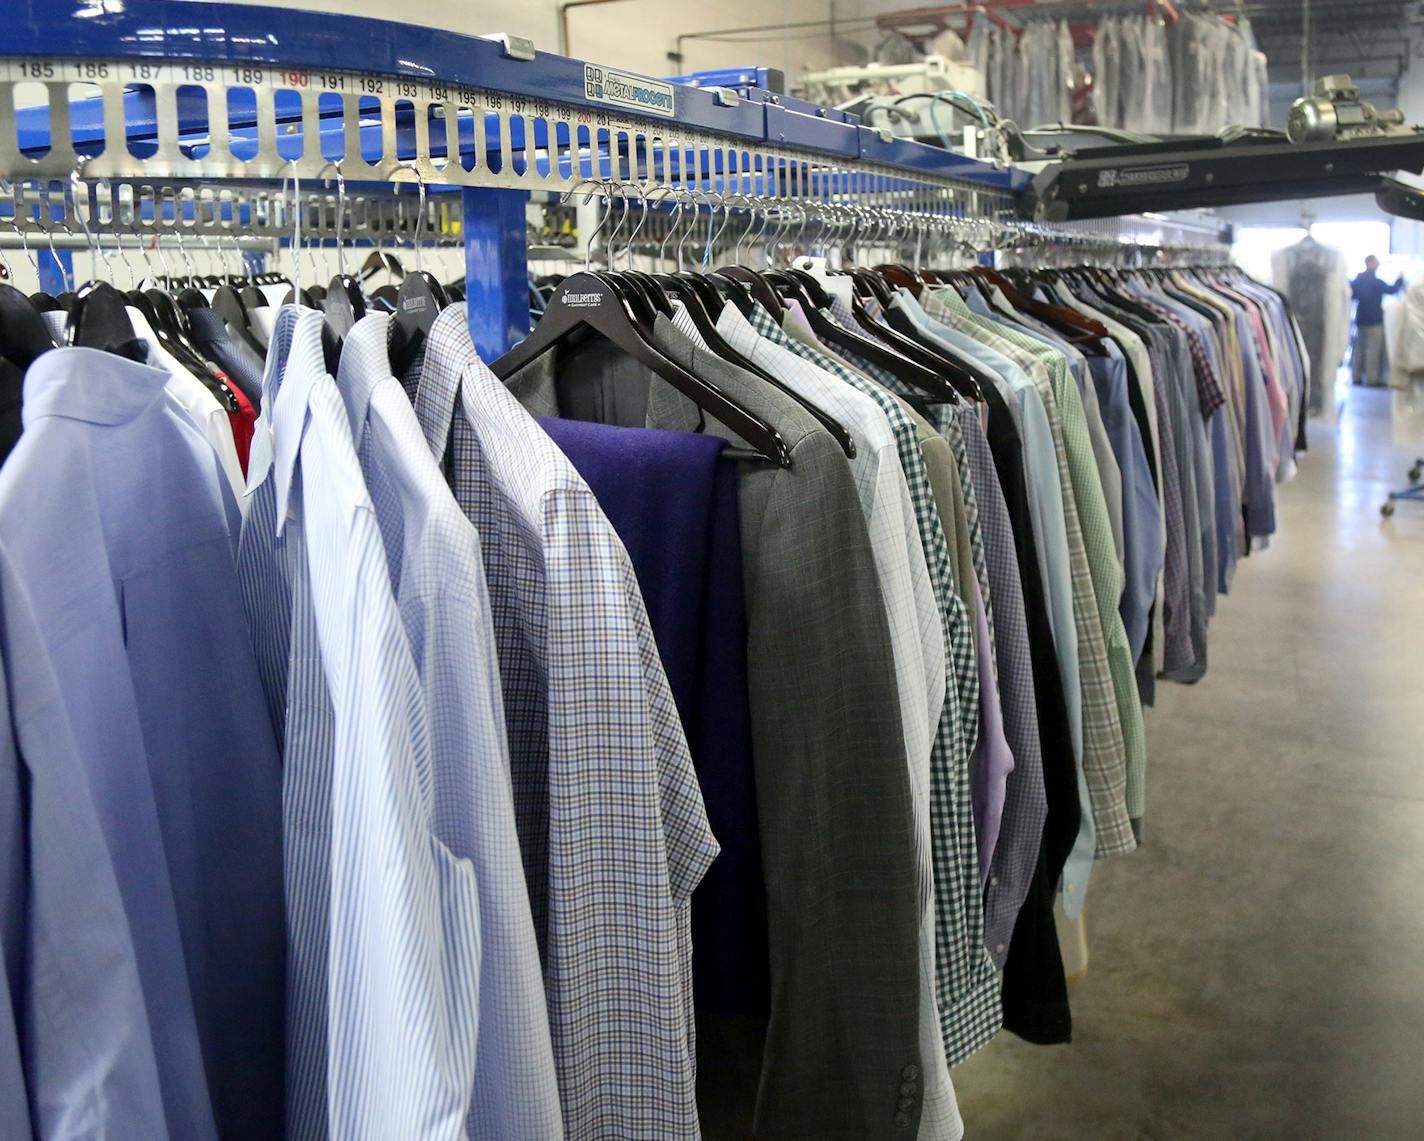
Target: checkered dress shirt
point(945, 419)
point(610, 814)
point(1105, 724)
point(969, 1006)
point(437, 571)
point(1209, 389)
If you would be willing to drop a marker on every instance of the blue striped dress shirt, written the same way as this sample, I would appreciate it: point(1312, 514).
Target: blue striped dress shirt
point(402, 941)
point(438, 575)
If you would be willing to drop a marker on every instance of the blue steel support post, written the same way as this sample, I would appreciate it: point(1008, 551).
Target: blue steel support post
point(496, 269)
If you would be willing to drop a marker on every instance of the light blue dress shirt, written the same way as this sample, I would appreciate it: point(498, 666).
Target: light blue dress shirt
point(125, 624)
point(402, 942)
point(437, 573)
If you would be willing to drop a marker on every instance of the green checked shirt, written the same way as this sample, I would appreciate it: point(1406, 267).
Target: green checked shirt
point(967, 985)
point(1113, 734)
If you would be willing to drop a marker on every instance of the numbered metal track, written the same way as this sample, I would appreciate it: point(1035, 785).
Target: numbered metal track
point(196, 121)
point(164, 207)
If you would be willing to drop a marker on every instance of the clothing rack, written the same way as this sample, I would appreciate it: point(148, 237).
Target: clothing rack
point(119, 120)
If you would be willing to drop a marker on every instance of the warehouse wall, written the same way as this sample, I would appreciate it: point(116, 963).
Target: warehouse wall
point(636, 34)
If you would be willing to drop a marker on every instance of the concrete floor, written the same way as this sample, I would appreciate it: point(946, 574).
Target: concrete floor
point(1257, 969)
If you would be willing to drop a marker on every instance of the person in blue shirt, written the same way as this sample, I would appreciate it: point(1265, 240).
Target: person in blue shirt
point(1369, 362)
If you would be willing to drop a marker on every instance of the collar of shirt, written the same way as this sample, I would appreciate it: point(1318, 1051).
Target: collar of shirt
point(304, 367)
point(89, 385)
point(359, 373)
point(260, 456)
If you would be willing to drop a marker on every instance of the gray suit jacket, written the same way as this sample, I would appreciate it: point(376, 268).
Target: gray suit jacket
point(839, 1057)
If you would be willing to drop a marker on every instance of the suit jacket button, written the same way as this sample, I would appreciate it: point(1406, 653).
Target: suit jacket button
point(910, 1073)
point(902, 1119)
point(906, 1103)
point(908, 1089)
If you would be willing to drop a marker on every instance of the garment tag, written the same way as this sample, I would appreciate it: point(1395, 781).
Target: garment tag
point(836, 286)
point(623, 89)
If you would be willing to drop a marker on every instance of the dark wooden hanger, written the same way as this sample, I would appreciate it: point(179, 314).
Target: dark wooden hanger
point(1068, 321)
point(757, 286)
point(867, 344)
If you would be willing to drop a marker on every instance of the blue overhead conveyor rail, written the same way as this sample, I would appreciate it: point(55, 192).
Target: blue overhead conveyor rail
point(743, 111)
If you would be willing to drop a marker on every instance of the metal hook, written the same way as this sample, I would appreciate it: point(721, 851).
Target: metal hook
point(692, 225)
point(76, 188)
point(567, 194)
point(63, 272)
point(673, 226)
point(335, 164)
point(611, 244)
point(714, 236)
point(296, 230)
point(750, 206)
point(606, 187)
point(782, 224)
point(642, 219)
point(414, 168)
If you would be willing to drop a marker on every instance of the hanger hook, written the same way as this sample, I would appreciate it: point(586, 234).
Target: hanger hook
point(781, 225)
point(692, 194)
point(642, 219)
point(77, 187)
point(714, 236)
point(748, 205)
point(414, 168)
point(610, 246)
point(63, 272)
point(606, 188)
point(335, 165)
point(673, 225)
point(569, 193)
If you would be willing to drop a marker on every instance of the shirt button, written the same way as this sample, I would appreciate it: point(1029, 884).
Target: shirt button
point(993, 881)
point(1000, 949)
point(910, 1073)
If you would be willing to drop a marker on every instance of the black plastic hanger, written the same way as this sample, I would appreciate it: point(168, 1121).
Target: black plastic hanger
point(23, 332)
point(588, 301)
point(712, 336)
point(904, 367)
point(101, 321)
point(227, 301)
point(757, 286)
point(419, 301)
point(344, 304)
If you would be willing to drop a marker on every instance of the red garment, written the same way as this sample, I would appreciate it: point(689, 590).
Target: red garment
point(243, 422)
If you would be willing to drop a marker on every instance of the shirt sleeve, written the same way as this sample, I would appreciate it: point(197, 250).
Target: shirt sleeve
point(68, 955)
